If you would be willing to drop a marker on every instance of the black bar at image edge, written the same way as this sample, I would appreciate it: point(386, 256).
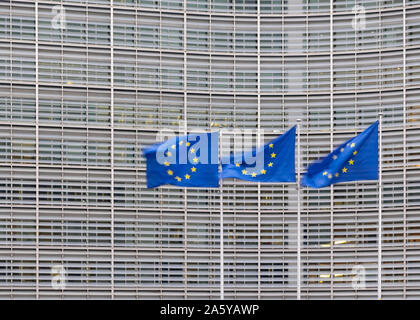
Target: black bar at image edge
point(213, 309)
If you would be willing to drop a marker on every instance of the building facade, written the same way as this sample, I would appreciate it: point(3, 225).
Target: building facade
point(85, 84)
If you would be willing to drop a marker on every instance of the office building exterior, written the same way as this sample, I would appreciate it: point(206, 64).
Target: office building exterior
point(86, 84)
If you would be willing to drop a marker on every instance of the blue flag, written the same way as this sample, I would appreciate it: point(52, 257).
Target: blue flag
point(274, 162)
point(186, 161)
point(355, 159)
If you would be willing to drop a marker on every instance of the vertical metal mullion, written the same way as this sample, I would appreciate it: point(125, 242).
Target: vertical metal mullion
point(233, 273)
point(283, 44)
point(37, 144)
point(299, 222)
point(356, 47)
point(87, 185)
point(259, 142)
point(221, 217)
point(138, 133)
point(380, 154)
point(221, 232)
point(185, 132)
point(331, 143)
point(112, 151)
point(11, 141)
point(209, 48)
point(380, 211)
point(159, 82)
point(209, 77)
point(405, 162)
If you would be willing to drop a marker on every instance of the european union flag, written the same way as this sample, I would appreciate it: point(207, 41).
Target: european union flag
point(355, 159)
point(186, 161)
point(274, 162)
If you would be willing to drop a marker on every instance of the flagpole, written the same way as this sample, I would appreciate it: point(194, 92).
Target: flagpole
point(380, 211)
point(298, 279)
point(222, 275)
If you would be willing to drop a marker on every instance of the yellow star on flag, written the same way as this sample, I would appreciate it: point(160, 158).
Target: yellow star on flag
point(254, 174)
point(170, 172)
point(325, 173)
point(271, 145)
point(273, 155)
point(334, 157)
point(166, 163)
point(188, 144)
point(270, 164)
point(263, 171)
point(344, 170)
point(352, 145)
point(337, 174)
point(173, 146)
point(355, 152)
point(237, 164)
point(192, 150)
point(178, 178)
point(193, 169)
point(244, 171)
point(181, 143)
point(195, 160)
point(187, 176)
point(351, 162)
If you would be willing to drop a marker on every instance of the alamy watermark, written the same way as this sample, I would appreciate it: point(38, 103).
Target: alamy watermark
point(235, 146)
point(58, 21)
point(58, 277)
point(359, 19)
point(359, 277)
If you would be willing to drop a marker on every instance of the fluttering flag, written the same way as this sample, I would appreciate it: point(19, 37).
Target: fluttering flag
point(185, 161)
point(274, 162)
point(356, 159)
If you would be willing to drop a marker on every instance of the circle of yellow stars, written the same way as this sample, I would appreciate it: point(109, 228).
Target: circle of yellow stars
point(346, 167)
point(167, 164)
point(262, 171)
